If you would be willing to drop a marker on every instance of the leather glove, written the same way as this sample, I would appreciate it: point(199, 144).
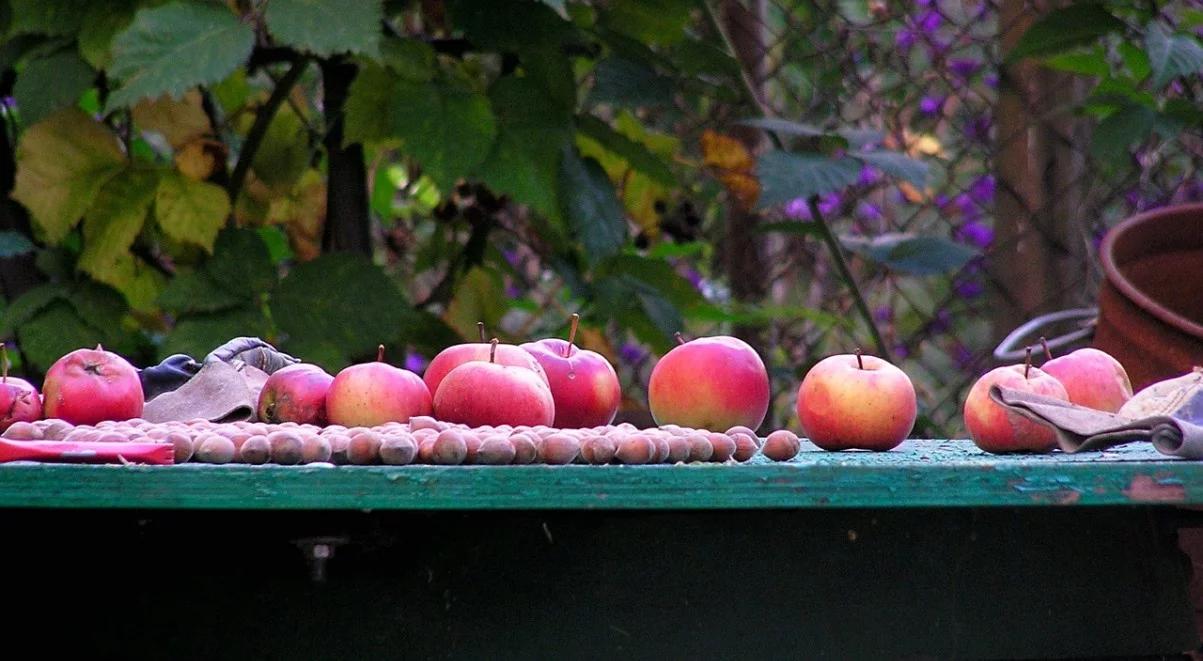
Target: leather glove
point(254, 352)
point(168, 375)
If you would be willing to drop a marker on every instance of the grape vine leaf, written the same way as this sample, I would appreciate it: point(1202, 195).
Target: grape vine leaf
point(62, 162)
point(445, 126)
point(179, 121)
point(327, 27)
point(1171, 55)
point(191, 211)
point(366, 110)
point(49, 83)
point(110, 226)
point(785, 176)
point(101, 22)
point(169, 49)
point(590, 206)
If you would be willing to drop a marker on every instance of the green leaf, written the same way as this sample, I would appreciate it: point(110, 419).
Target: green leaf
point(341, 300)
point(198, 334)
point(591, 207)
point(651, 21)
point(912, 254)
point(327, 27)
point(50, 17)
point(532, 133)
point(785, 176)
point(1087, 63)
point(49, 83)
point(445, 126)
point(408, 58)
point(695, 58)
point(515, 27)
point(62, 162)
point(169, 49)
point(786, 126)
point(1065, 28)
point(191, 211)
point(197, 292)
point(14, 244)
point(28, 305)
point(1119, 130)
point(240, 263)
point(110, 227)
point(1135, 59)
point(637, 156)
point(1171, 55)
point(55, 331)
point(897, 165)
point(369, 104)
point(283, 155)
point(626, 83)
point(657, 274)
point(101, 23)
point(637, 306)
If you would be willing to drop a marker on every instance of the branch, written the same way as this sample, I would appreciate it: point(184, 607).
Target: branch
point(262, 120)
point(829, 238)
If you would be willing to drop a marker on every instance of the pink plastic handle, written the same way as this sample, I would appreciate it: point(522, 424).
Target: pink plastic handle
point(87, 453)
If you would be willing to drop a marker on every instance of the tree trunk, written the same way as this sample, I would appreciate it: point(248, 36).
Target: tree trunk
point(347, 225)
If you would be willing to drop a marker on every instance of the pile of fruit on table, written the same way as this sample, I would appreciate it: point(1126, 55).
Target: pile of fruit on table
point(547, 402)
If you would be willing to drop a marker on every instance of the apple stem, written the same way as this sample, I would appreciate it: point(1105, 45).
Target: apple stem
point(1027, 362)
point(493, 350)
point(380, 353)
point(98, 347)
point(680, 339)
point(1048, 354)
point(480, 328)
point(860, 362)
point(576, 320)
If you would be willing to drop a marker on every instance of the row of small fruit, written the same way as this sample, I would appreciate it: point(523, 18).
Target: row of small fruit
point(849, 401)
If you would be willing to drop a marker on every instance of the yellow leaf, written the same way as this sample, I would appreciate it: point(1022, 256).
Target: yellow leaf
point(114, 221)
point(733, 165)
point(62, 163)
point(191, 211)
point(200, 158)
point(303, 214)
point(478, 297)
point(179, 121)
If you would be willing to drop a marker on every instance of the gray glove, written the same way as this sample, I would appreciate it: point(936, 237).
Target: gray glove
point(251, 351)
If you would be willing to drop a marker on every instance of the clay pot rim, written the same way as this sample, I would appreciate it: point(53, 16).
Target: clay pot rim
point(1117, 279)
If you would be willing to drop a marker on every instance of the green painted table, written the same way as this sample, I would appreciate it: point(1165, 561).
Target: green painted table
point(933, 550)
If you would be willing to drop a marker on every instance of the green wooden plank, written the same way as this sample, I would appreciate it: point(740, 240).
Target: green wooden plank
point(919, 474)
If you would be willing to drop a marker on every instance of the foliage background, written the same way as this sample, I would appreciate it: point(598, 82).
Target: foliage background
point(335, 175)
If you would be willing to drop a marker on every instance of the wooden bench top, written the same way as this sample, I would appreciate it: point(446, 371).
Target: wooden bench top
point(920, 473)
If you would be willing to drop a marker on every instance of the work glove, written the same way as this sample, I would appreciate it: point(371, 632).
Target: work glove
point(174, 371)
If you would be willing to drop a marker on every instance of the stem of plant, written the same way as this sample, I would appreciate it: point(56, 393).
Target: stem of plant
point(1048, 354)
point(380, 353)
point(263, 119)
point(480, 328)
point(1027, 362)
point(860, 362)
point(680, 338)
point(493, 350)
point(833, 244)
point(576, 321)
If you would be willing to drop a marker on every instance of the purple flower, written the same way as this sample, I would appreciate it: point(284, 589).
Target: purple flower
point(901, 351)
point(941, 201)
point(928, 22)
point(415, 363)
point(982, 189)
point(924, 3)
point(963, 356)
point(941, 322)
point(869, 211)
point(964, 67)
point(969, 288)
point(693, 276)
point(991, 80)
point(829, 204)
point(868, 176)
point(797, 209)
point(976, 233)
point(631, 353)
point(883, 314)
point(930, 105)
point(513, 291)
point(904, 39)
point(978, 128)
point(510, 256)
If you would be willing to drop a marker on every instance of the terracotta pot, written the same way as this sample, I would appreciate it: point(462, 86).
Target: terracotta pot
point(1151, 302)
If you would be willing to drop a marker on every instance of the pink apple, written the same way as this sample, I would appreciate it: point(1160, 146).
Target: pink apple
point(371, 394)
point(855, 401)
point(583, 383)
point(995, 429)
point(19, 400)
point(486, 393)
point(709, 383)
point(1092, 378)
point(87, 386)
point(458, 354)
point(296, 393)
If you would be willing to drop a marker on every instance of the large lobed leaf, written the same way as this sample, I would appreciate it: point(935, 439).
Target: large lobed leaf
point(327, 27)
point(62, 163)
point(1171, 55)
point(169, 49)
point(110, 227)
point(785, 176)
point(590, 206)
point(49, 83)
point(191, 211)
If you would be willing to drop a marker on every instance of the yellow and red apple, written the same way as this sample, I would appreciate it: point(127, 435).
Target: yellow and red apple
point(853, 401)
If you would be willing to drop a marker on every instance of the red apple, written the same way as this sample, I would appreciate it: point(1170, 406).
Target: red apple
point(296, 393)
point(709, 383)
point(487, 393)
point(19, 400)
point(371, 394)
point(1091, 378)
point(456, 355)
point(583, 383)
point(995, 429)
point(87, 386)
point(855, 401)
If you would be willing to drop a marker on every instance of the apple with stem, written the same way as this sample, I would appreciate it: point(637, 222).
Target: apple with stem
point(458, 354)
point(87, 386)
point(19, 400)
point(854, 401)
point(583, 383)
point(478, 393)
point(709, 383)
point(995, 429)
point(1091, 377)
point(370, 394)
